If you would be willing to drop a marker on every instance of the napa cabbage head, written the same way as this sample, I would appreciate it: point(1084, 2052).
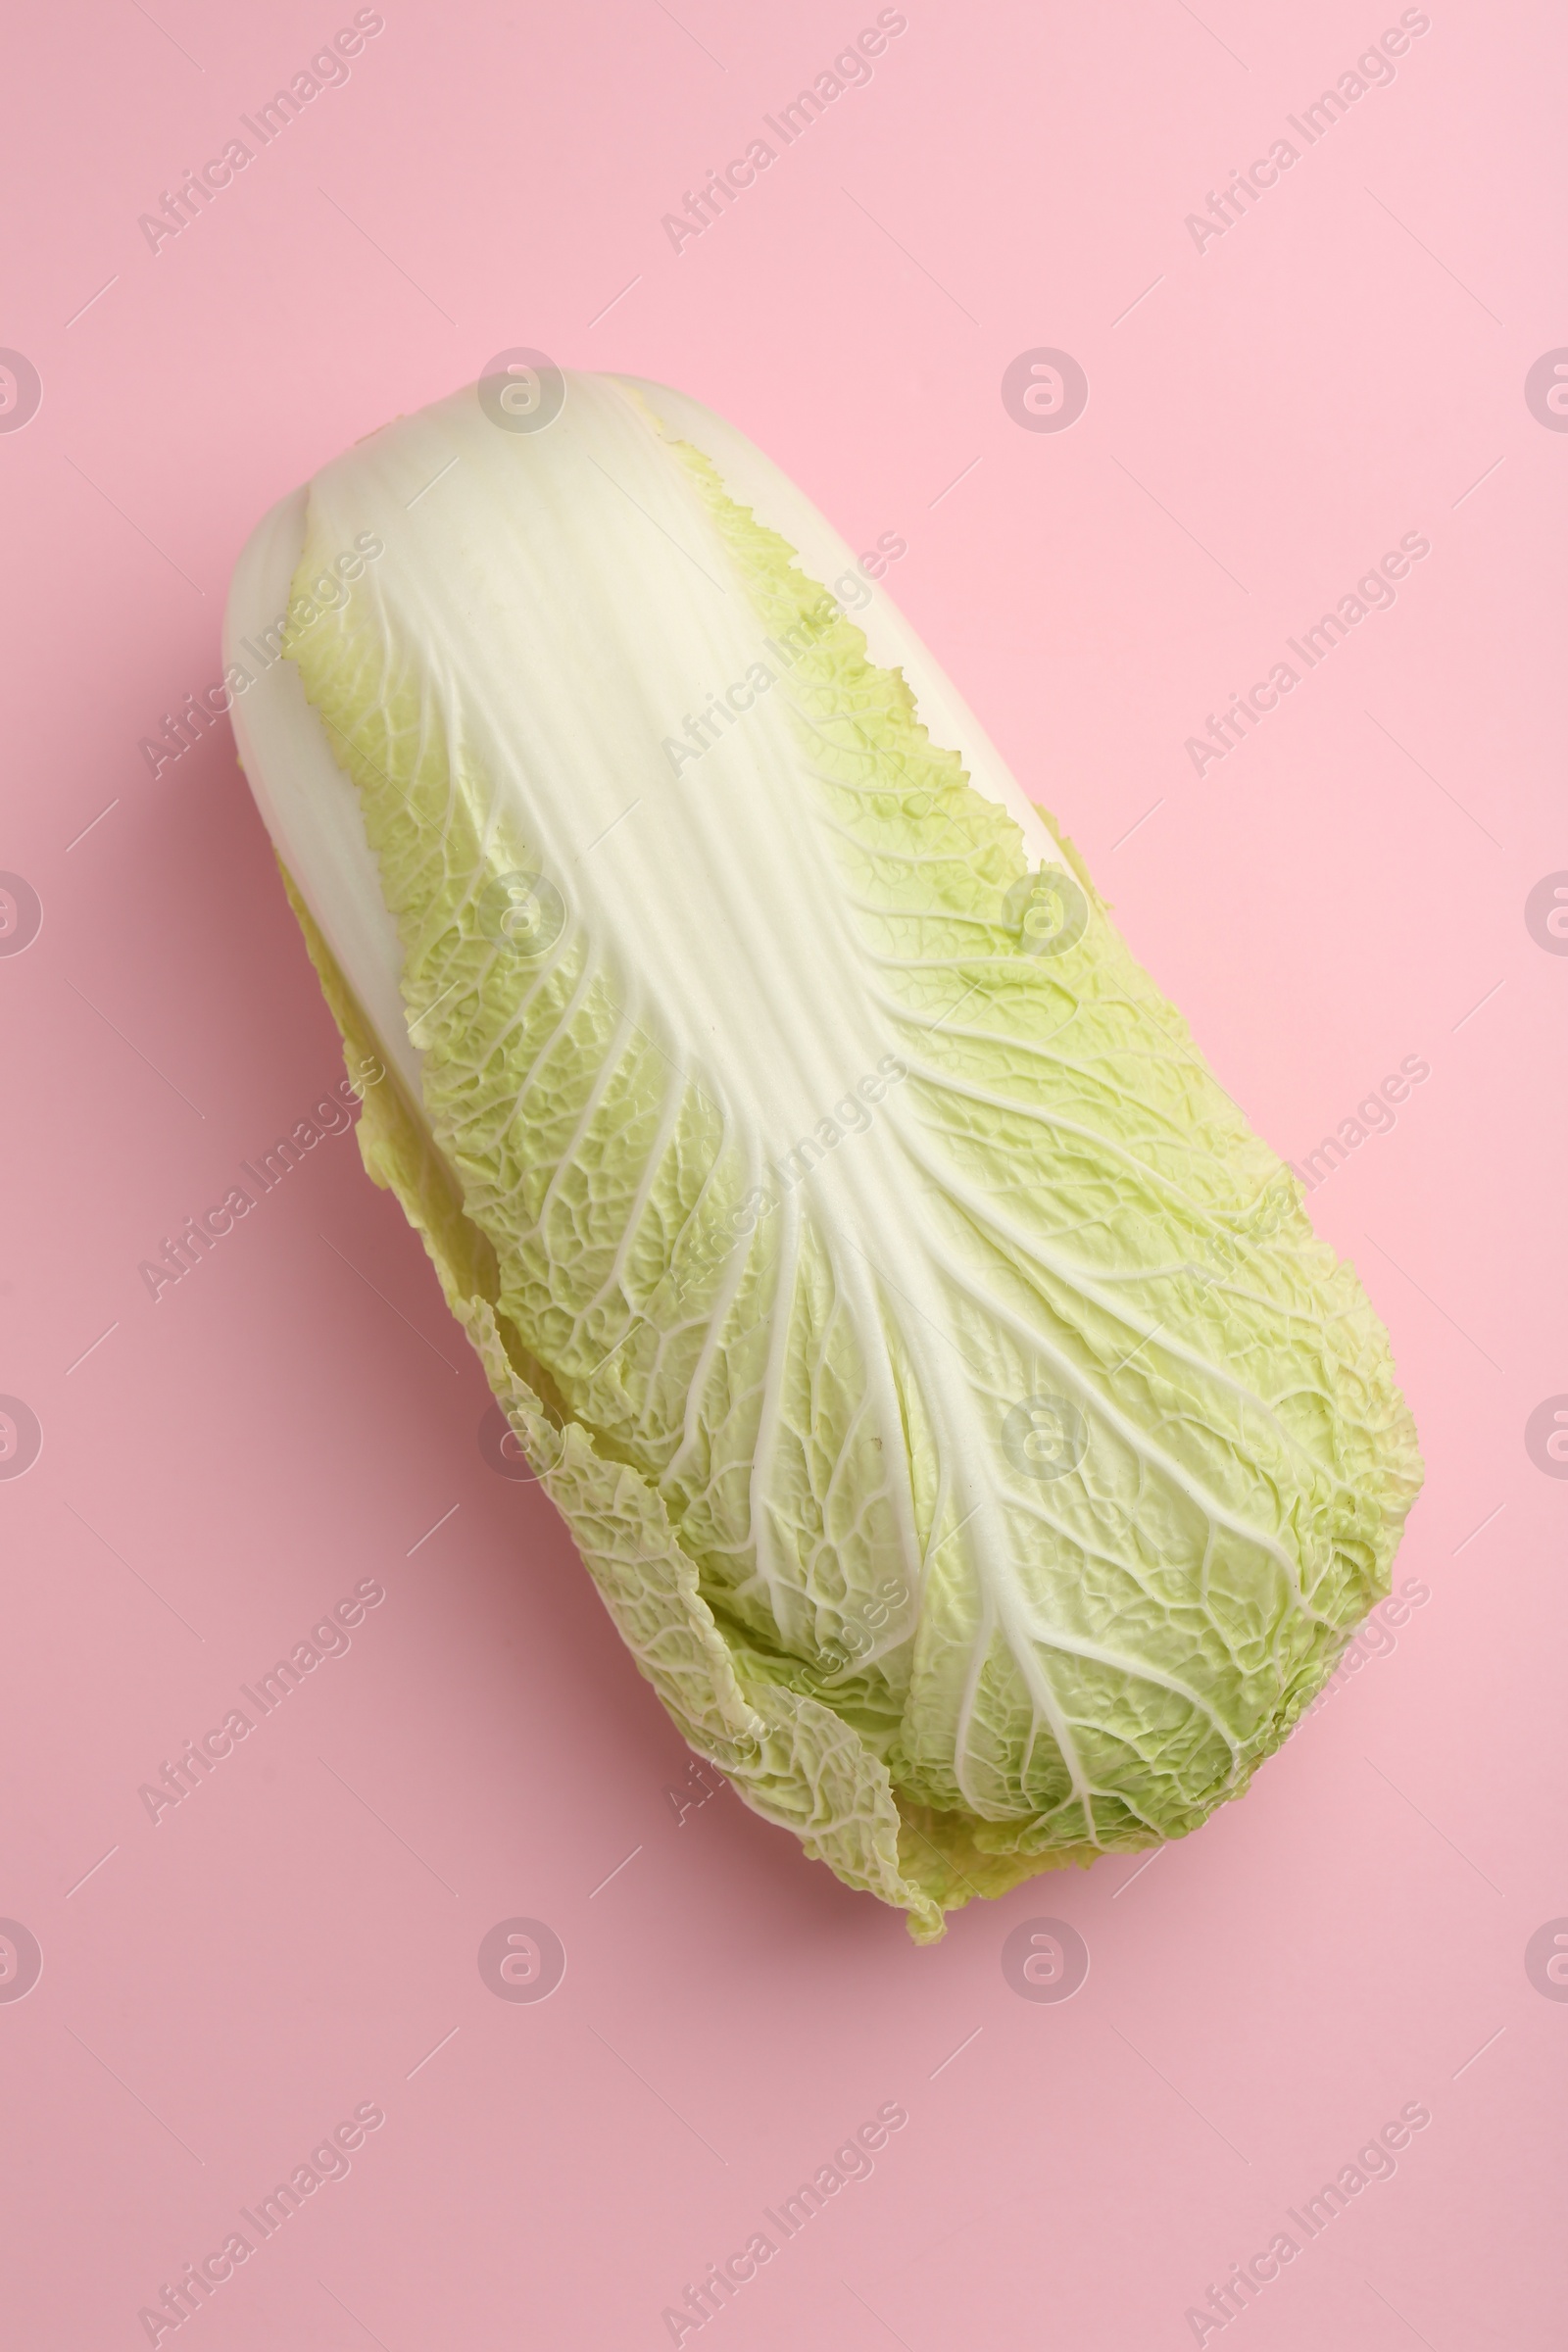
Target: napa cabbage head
point(977, 1450)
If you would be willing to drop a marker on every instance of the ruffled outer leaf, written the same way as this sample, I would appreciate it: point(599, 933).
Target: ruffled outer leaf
point(789, 1758)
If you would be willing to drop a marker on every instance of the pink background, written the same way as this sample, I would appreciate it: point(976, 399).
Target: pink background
point(1345, 365)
